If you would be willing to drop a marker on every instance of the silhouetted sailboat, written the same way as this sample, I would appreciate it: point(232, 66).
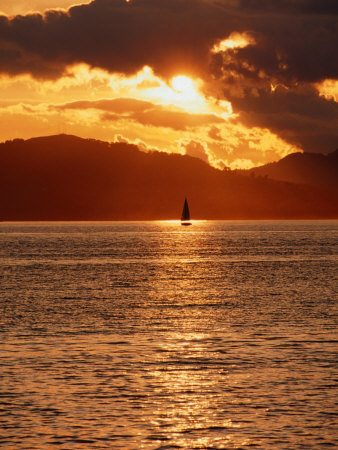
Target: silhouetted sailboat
point(185, 219)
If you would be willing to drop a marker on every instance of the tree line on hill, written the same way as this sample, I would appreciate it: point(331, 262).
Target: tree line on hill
point(68, 178)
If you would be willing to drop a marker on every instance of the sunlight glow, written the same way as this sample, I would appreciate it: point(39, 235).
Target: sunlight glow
point(176, 116)
point(182, 92)
point(328, 89)
point(235, 40)
point(178, 222)
point(181, 83)
point(13, 8)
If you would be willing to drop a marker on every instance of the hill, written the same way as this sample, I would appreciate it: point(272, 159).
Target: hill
point(309, 168)
point(68, 178)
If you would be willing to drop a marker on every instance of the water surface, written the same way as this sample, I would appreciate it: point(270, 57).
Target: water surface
point(155, 336)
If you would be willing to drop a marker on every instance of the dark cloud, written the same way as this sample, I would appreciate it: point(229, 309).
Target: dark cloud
point(118, 105)
point(118, 36)
point(295, 39)
point(298, 115)
point(289, 49)
point(145, 113)
point(160, 117)
point(291, 6)
point(214, 133)
point(296, 43)
point(196, 149)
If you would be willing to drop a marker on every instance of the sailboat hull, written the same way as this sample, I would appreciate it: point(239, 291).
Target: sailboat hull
point(186, 223)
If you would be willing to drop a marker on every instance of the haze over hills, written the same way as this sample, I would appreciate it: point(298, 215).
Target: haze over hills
point(310, 168)
point(68, 178)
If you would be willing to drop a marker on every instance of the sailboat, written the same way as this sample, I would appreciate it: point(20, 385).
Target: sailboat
point(185, 219)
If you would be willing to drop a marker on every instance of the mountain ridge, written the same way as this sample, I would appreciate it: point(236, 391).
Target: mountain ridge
point(314, 169)
point(64, 177)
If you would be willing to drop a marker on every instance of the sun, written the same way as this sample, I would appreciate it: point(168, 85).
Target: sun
point(180, 92)
point(181, 83)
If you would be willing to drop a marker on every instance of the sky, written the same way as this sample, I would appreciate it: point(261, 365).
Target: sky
point(237, 83)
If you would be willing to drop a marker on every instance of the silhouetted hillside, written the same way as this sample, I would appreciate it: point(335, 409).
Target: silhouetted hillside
point(309, 168)
point(68, 178)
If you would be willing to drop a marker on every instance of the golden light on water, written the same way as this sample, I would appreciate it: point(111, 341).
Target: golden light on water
point(178, 222)
point(191, 416)
point(140, 337)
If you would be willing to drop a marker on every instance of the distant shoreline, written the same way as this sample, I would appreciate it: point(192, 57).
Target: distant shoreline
point(66, 178)
point(323, 219)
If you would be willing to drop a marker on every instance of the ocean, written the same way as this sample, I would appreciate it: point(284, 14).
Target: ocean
point(150, 335)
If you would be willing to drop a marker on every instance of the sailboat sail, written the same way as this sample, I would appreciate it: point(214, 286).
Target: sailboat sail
point(185, 214)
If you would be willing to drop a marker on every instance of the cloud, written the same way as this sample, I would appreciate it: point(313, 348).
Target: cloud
point(114, 35)
point(214, 133)
point(118, 105)
point(294, 40)
point(12, 7)
point(297, 115)
point(195, 149)
point(328, 89)
point(145, 113)
point(229, 142)
point(284, 50)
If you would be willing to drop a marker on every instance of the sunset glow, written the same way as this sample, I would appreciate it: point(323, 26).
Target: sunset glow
point(11, 7)
point(168, 224)
point(181, 83)
point(329, 89)
point(208, 99)
point(173, 114)
point(235, 40)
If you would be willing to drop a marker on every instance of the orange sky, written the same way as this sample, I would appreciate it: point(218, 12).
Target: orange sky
point(183, 110)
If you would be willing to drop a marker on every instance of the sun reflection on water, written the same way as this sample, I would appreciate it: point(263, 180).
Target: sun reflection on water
point(191, 415)
point(145, 336)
